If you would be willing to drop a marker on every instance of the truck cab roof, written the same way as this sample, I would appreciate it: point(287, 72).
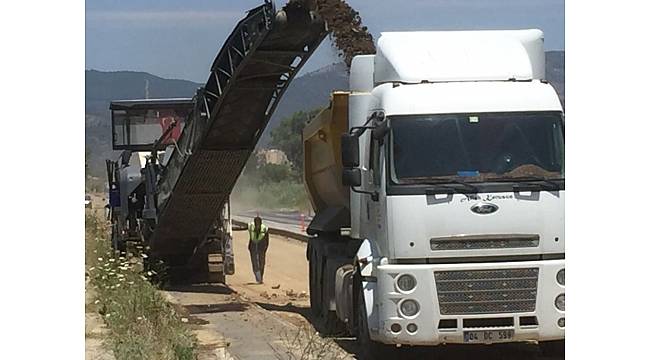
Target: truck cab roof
point(466, 97)
point(434, 56)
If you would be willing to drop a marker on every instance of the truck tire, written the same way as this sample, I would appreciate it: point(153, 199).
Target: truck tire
point(368, 349)
point(552, 348)
point(326, 321)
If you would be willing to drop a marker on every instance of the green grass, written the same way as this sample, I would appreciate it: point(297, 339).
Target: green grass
point(142, 324)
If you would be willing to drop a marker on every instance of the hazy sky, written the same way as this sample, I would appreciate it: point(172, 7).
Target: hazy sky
point(179, 39)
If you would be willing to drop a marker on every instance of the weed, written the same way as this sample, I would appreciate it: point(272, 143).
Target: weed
point(306, 344)
point(142, 324)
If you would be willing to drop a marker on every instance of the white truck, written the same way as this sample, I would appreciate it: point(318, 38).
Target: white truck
point(438, 186)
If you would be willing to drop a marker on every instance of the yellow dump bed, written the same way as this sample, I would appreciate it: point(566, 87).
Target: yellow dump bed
point(323, 166)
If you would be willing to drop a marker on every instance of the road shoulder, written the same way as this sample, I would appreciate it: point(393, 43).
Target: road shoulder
point(95, 330)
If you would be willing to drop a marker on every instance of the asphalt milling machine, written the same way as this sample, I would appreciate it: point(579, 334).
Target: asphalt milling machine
point(169, 189)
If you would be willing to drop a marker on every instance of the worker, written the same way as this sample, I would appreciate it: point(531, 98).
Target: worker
point(257, 245)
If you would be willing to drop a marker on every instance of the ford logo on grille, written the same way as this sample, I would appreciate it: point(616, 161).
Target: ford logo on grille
point(484, 208)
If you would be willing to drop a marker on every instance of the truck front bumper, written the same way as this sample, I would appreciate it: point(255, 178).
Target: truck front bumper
point(537, 320)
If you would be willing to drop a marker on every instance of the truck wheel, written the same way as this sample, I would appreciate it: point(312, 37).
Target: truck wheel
point(552, 348)
point(368, 349)
point(326, 321)
point(331, 325)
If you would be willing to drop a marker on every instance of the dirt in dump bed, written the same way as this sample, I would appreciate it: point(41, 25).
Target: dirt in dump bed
point(344, 23)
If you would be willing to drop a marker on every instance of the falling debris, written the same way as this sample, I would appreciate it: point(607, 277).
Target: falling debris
point(345, 25)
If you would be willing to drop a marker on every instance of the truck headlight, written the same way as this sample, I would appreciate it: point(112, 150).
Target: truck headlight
point(409, 307)
point(406, 283)
point(559, 302)
point(560, 277)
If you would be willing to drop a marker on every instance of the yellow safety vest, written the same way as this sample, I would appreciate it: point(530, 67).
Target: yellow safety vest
point(260, 235)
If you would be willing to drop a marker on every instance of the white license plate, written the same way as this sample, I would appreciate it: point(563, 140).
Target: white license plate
point(488, 336)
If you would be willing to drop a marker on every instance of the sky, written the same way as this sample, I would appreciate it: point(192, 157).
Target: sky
point(179, 39)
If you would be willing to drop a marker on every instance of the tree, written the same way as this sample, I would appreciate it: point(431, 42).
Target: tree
point(287, 136)
point(275, 172)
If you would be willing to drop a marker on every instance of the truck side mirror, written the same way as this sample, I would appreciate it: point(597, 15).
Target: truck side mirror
point(379, 132)
point(352, 177)
point(350, 150)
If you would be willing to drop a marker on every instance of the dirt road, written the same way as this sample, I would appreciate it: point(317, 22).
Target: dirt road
point(270, 322)
point(261, 321)
point(286, 274)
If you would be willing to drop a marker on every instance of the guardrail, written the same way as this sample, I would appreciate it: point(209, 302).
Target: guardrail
point(275, 231)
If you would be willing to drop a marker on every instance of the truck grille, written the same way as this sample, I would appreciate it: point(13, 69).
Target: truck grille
point(475, 242)
point(486, 291)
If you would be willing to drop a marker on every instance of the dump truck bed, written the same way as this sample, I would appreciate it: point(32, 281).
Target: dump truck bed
point(324, 168)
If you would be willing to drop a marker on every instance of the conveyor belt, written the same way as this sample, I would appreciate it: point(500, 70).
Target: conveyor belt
point(248, 77)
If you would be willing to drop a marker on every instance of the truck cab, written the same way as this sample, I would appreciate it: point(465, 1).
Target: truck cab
point(454, 156)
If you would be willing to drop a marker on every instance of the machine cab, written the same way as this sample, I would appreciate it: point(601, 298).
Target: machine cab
point(138, 125)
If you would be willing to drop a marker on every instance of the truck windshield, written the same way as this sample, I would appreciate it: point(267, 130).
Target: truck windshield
point(481, 147)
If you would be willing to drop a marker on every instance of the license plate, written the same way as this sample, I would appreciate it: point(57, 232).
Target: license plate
point(488, 336)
